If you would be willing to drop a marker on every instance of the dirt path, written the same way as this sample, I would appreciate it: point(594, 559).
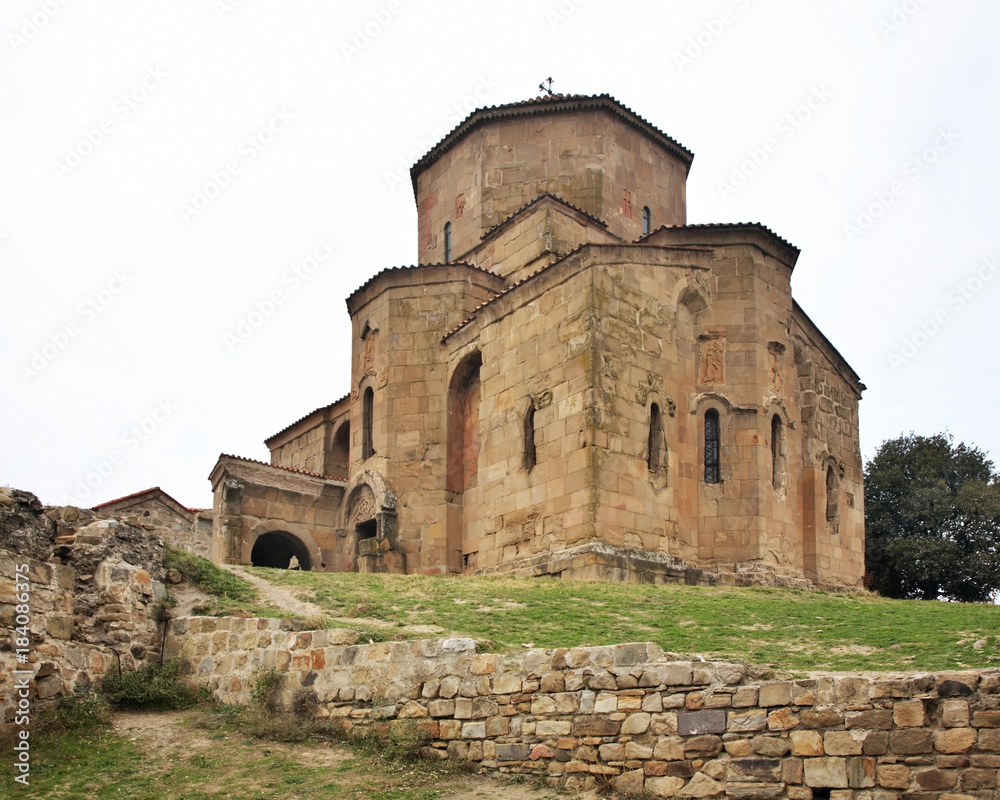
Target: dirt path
point(278, 595)
point(173, 738)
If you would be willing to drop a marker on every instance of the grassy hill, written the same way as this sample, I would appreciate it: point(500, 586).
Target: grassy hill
point(789, 630)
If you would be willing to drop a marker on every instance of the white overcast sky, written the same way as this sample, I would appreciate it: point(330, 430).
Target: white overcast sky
point(117, 300)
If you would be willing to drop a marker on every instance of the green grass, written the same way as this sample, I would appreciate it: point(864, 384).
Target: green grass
point(178, 757)
point(208, 577)
point(791, 630)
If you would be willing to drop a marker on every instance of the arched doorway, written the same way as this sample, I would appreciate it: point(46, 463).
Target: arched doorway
point(276, 550)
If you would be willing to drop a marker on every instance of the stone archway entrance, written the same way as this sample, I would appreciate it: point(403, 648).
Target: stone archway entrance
point(277, 549)
point(368, 535)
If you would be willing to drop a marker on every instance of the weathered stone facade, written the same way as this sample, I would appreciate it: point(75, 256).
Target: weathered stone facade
point(629, 713)
point(574, 382)
point(94, 601)
point(185, 528)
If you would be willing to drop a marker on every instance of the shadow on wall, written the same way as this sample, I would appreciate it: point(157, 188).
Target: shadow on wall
point(277, 550)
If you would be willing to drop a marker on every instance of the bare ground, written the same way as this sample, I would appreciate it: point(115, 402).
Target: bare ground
point(174, 736)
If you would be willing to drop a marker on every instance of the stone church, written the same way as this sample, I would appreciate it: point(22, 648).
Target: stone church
point(572, 382)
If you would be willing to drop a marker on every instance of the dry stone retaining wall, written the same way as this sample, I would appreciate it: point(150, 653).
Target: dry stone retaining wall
point(630, 713)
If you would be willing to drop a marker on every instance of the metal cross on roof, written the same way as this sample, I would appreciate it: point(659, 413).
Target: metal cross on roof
point(546, 89)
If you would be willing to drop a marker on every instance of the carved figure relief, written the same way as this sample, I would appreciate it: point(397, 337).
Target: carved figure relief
point(713, 360)
point(775, 351)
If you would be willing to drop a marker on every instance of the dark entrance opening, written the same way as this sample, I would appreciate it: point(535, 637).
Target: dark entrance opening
point(367, 530)
point(276, 550)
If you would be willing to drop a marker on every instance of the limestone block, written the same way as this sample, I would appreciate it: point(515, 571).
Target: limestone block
point(664, 787)
point(912, 742)
point(630, 783)
point(806, 743)
point(636, 724)
point(546, 728)
point(909, 714)
point(876, 720)
point(769, 746)
point(747, 721)
point(826, 773)
point(861, 772)
point(753, 770)
point(775, 694)
point(843, 743)
point(702, 786)
point(781, 720)
point(893, 776)
point(669, 748)
point(474, 730)
point(955, 740)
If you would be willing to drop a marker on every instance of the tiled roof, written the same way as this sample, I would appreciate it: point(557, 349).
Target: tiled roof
point(719, 226)
point(286, 469)
point(558, 103)
point(301, 419)
point(387, 270)
point(136, 495)
point(509, 289)
point(529, 204)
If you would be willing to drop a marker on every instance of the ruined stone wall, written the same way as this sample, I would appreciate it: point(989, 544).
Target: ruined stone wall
point(81, 614)
point(191, 532)
point(630, 713)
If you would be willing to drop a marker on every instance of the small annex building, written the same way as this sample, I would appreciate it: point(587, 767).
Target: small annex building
point(571, 382)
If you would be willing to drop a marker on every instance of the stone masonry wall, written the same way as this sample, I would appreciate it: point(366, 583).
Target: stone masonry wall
point(630, 713)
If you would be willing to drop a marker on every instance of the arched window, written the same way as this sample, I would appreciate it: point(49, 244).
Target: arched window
point(447, 243)
point(646, 220)
point(777, 451)
point(657, 453)
point(367, 406)
point(530, 454)
point(712, 446)
point(831, 494)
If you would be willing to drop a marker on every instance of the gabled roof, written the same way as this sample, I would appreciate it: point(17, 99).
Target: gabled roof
point(766, 239)
point(307, 416)
point(549, 104)
point(549, 197)
point(153, 493)
point(285, 469)
point(412, 267)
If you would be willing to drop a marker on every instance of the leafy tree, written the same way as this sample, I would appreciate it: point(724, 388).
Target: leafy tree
point(932, 519)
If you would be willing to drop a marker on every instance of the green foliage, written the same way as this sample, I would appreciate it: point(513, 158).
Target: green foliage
point(932, 519)
point(208, 577)
point(84, 711)
point(264, 685)
point(153, 687)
